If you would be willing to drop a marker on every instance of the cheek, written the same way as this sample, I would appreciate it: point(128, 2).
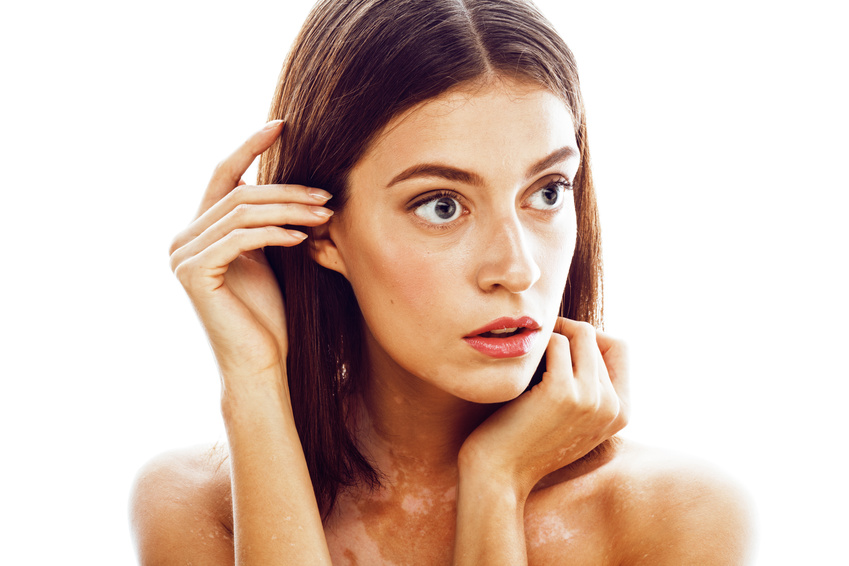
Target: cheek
point(555, 250)
point(401, 287)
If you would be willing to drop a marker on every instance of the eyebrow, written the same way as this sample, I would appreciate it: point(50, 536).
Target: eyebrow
point(458, 175)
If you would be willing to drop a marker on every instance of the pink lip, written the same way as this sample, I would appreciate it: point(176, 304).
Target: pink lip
point(508, 347)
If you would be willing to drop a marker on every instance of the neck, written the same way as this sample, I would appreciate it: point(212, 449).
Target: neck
point(410, 428)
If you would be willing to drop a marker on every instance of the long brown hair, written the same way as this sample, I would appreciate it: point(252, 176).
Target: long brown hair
point(354, 66)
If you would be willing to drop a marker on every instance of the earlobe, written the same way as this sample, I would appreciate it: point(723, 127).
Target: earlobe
point(324, 251)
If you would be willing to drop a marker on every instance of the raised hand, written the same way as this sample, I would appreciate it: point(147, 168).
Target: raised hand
point(580, 402)
point(219, 260)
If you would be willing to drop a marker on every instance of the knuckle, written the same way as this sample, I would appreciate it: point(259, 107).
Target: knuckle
point(560, 395)
point(585, 330)
point(609, 411)
point(584, 404)
point(176, 244)
point(240, 194)
point(183, 272)
point(559, 343)
point(560, 340)
point(236, 236)
point(174, 263)
point(241, 210)
point(609, 405)
point(554, 389)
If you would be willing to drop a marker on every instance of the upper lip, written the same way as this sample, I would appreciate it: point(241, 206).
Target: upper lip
point(507, 322)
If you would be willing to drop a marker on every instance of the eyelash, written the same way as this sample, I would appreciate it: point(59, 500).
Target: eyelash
point(560, 183)
point(434, 196)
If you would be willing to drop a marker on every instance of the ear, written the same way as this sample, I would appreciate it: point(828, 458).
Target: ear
point(323, 248)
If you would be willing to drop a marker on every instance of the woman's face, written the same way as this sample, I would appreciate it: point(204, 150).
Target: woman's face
point(460, 214)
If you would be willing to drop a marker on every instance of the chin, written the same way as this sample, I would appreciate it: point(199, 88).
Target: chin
point(499, 389)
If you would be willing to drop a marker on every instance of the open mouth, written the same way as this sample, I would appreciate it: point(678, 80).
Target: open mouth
point(503, 333)
point(505, 337)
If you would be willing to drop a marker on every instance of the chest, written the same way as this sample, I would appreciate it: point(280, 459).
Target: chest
point(419, 530)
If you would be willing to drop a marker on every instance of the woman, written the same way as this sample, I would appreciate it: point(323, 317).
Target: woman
point(425, 210)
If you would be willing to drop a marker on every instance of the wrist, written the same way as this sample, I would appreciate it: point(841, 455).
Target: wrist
point(492, 476)
point(251, 393)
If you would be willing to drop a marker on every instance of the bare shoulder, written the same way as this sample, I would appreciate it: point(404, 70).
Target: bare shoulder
point(181, 509)
point(675, 509)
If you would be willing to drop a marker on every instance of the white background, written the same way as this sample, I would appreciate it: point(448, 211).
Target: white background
point(718, 133)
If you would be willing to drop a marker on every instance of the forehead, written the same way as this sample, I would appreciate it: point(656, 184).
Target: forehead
point(506, 119)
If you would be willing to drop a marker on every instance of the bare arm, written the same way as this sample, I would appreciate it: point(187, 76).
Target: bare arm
point(276, 519)
point(219, 260)
point(490, 524)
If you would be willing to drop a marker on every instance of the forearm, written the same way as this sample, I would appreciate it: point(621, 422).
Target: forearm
point(276, 519)
point(490, 523)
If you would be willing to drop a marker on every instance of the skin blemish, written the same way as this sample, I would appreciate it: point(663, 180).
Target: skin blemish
point(412, 514)
point(418, 504)
point(352, 558)
point(549, 528)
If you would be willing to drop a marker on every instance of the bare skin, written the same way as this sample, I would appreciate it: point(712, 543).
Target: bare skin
point(465, 481)
point(628, 504)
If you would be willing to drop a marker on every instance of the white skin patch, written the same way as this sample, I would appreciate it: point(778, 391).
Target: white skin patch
point(548, 528)
point(353, 541)
point(418, 504)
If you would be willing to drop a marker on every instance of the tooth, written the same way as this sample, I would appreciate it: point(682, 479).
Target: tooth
point(504, 330)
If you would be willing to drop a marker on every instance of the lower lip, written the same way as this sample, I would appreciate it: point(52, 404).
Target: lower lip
point(510, 347)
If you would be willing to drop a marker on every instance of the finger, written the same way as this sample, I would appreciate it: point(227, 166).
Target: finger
point(584, 351)
point(614, 353)
point(252, 216)
point(249, 194)
point(557, 381)
point(228, 173)
point(609, 401)
point(214, 260)
point(558, 358)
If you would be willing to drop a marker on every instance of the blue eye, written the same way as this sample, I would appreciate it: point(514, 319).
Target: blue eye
point(550, 197)
point(440, 209)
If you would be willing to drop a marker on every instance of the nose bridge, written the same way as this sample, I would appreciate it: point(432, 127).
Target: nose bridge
point(506, 258)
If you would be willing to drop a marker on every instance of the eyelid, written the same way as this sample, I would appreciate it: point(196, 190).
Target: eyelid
point(561, 182)
point(426, 198)
point(433, 196)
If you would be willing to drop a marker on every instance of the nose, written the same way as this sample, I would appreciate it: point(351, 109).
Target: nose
point(506, 260)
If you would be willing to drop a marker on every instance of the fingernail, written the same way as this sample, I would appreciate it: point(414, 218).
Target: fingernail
point(319, 194)
point(320, 211)
point(273, 124)
point(296, 234)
